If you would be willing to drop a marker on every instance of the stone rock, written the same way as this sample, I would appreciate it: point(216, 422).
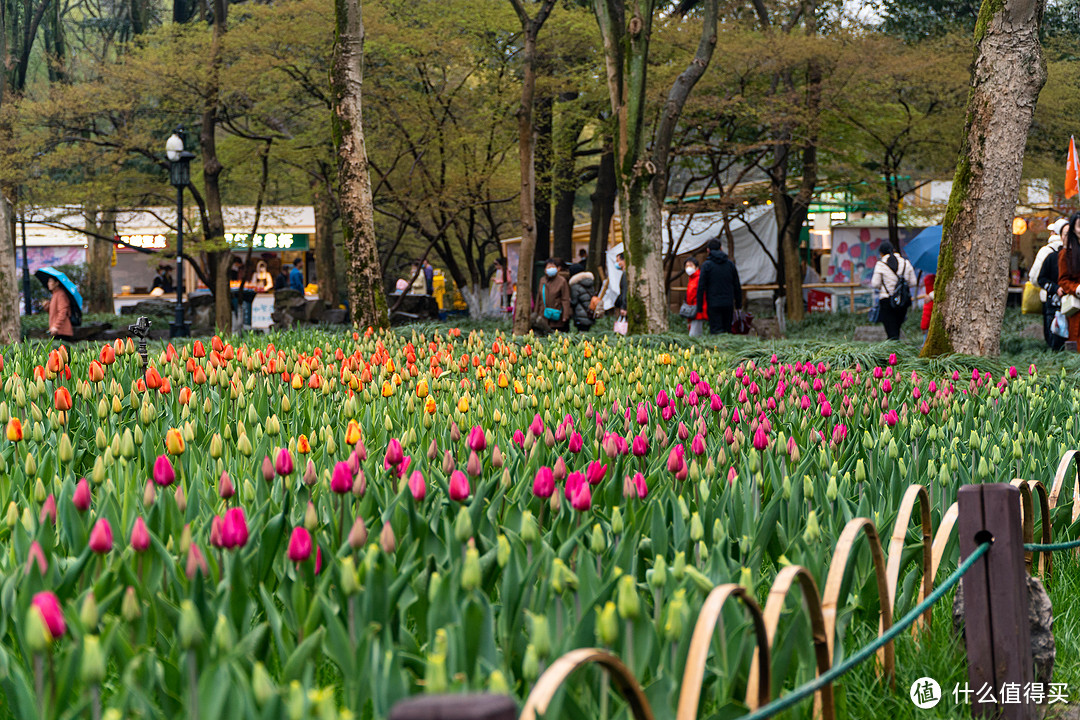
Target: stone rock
point(89, 331)
point(282, 320)
point(287, 297)
point(314, 309)
point(1040, 621)
point(335, 316)
point(870, 333)
point(766, 328)
point(155, 308)
point(202, 317)
point(1032, 332)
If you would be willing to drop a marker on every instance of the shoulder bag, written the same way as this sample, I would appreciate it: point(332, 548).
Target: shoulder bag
point(550, 313)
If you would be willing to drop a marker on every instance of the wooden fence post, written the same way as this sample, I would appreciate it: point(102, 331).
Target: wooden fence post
point(996, 629)
point(455, 707)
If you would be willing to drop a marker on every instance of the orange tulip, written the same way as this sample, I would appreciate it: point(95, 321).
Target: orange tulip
point(217, 344)
point(185, 396)
point(598, 388)
point(153, 378)
point(56, 363)
point(387, 389)
point(14, 430)
point(107, 356)
point(352, 433)
point(199, 377)
point(313, 381)
point(96, 372)
point(174, 442)
point(430, 406)
point(62, 399)
point(39, 373)
point(302, 445)
point(197, 350)
point(140, 386)
point(166, 386)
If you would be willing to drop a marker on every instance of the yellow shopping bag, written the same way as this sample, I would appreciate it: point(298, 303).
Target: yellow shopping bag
point(1030, 303)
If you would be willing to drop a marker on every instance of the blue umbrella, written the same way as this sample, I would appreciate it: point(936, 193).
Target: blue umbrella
point(922, 250)
point(65, 282)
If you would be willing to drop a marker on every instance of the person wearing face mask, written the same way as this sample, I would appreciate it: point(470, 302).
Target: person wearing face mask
point(553, 298)
point(697, 323)
point(719, 290)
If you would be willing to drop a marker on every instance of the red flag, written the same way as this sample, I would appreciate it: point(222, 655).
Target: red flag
point(1072, 172)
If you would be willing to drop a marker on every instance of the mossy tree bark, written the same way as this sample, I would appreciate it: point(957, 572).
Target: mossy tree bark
point(99, 291)
point(367, 299)
point(971, 286)
point(325, 212)
point(10, 282)
point(530, 28)
point(641, 168)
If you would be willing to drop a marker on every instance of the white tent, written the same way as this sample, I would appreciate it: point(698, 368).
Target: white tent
point(755, 239)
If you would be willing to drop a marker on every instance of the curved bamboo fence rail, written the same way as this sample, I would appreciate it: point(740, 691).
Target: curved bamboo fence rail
point(822, 612)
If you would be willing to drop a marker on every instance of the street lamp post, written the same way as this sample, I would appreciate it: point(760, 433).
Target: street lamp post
point(179, 177)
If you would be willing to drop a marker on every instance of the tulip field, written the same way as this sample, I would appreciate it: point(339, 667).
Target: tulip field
point(320, 525)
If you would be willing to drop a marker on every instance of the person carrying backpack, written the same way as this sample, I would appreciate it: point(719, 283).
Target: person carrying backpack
point(893, 279)
point(581, 295)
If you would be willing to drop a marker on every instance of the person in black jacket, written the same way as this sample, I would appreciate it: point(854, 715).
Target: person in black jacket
point(719, 289)
point(1048, 281)
point(581, 295)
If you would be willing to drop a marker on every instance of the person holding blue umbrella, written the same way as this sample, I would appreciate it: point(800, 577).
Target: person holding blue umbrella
point(65, 305)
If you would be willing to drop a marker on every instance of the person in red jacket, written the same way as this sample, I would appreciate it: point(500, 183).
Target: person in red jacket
point(697, 323)
point(928, 306)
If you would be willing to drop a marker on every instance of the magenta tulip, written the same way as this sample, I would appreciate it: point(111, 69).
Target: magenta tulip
point(283, 465)
point(519, 438)
point(697, 445)
point(234, 529)
point(48, 510)
point(51, 613)
point(474, 467)
point(761, 440)
point(595, 472)
point(559, 470)
point(675, 459)
point(640, 446)
point(641, 486)
point(299, 545)
point(576, 442)
point(36, 557)
point(417, 486)
point(582, 498)
point(81, 497)
point(537, 426)
point(459, 486)
point(101, 537)
point(544, 483)
point(476, 441)
point(164, 475)
point(140, 536)
point(341, 481)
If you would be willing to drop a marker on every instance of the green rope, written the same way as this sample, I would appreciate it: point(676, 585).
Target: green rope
point(1050, 547)
point(834, 673)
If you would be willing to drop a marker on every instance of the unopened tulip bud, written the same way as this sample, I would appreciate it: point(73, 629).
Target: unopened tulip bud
point(607, 625)
point(311, 518)
point(12, 516)
point(502, 552)
point(350, 584)
point(181, 499)
point(216, 446)
point(674, 619)
point(226, 490)
point(39, 491)
point(813, 531)
point(359, 486)
point(149, 494)
point(597, 541)
point(130, 609)
point(358, 535)
point(540, 636)
point(697, 528)
point(463, 526)
point(92, 668)
point(38, 638)
point(831, 490)
point(66, 453)
point(530, 532)
point(88, 612)
point(678, 568)
point(191, 632)
point(657, 576)
point(387, 541)
point(530, 665)
point(470, 574)
point(616, 521)
point(448, 464)
point(497, 683)
point(310, 475)
point(629, 603)
point(223, 636)
point(196, 562)
point(268, 469)
point(261, 685)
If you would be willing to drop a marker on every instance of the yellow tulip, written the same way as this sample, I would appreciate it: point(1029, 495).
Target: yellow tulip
point(387, 389)
point(463, 404)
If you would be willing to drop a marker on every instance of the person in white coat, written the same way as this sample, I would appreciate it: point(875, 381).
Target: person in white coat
point(890, 269)
point(1043, 274)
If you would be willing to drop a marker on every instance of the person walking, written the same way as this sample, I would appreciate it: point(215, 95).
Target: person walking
point(928, 304)
point(890, 271)
point(60, 325)
point(1044, 275)
point(582, 291)
point(696, 323)
point(624, 285)
point(1069, 270)
point(429, 277)
point(553, 298)
point(719, 291)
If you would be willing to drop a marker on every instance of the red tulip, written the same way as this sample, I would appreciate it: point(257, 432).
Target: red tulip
point(544, 483)
point(164, 475)
point(48, 510)
point(101, 537)
point(51, 613)
point(459, 486)
point(140, 536)
point(234, 529)
point(299, 545)
point(341, 481)
point(36, 556)
point(477, 441)
point(62, 399)
point(284, 463)
point(81, 497)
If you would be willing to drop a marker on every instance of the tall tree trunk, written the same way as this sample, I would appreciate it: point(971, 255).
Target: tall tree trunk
point(544, 161)
point(565, 184)
point(971, 288)
point(324, 241)
point(603, 209)
point(214, 225)
point(182, 10)
point(99, 290)
point(367, 300)
point(892, 188)
point(10, 282)
point(527, 254)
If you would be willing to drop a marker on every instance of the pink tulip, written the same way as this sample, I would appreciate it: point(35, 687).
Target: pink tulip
point(476, 441)
point(544, 483)
point(36, 557)
point(573, 482)
point(620, 444)
point(537, 426)
point(640, 446)
point(283, 465)
point(668, 412)
point(761, 440)
point(839, 434)
point(559, 471)
point(826, 409)
point(140, 536)
point(1012, 372)
point(417, 486)
point(662, 400)
point(576, 442)
point(394, 454)
point(299, 545)
point(101, 537)
point(697, 445)
point(459, 486)
point(642, 414)
point(560, 432)
point(595, 472)
point(164, 475)
point(81, 497)
point(474, 467)
point(234, 529)
point(582, 498)
point(675, 459)
point(878, 373)
point(268, 469)
point(216, 532)
point(196, 563)
point(715, 403)
point(640, 485)
point(519, 438)
point(354, 462)
point(682, 432)
point(318, 560)
point(341, 481)
point(51, 614)
point(886, 386)
point(226, 489)
point(48, 510)
point(361, 451)
point(404, 466)
point(731, 475)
